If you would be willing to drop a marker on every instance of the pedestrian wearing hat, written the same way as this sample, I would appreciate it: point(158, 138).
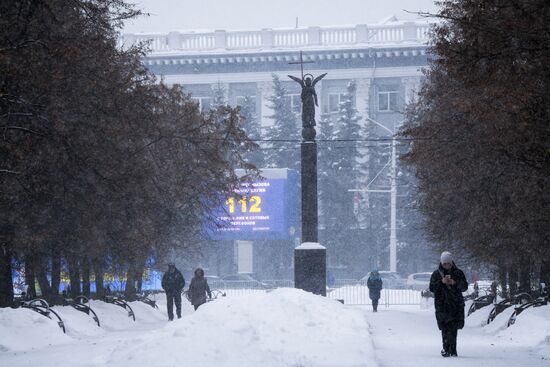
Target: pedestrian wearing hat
point(374, 283)
point(198, 289)
point(173, 283)
point(447, 284)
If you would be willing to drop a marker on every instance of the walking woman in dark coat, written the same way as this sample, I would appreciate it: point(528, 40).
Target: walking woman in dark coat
point(375, 286)
point(198, 289)
point(447, 284)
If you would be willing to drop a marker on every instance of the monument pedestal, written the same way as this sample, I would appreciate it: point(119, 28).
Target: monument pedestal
point(310, 268)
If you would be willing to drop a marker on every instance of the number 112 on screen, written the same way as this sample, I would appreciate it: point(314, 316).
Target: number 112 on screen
point(246, 205)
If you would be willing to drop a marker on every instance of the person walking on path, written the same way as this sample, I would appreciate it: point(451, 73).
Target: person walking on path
point(198, 289)
point(447, 284)
point(374, 283)
point(173, 283)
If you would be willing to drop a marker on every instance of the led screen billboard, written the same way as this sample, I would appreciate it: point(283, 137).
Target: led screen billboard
point(263, 209)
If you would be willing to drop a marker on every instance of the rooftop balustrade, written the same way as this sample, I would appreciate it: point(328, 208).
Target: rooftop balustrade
point(392, 33)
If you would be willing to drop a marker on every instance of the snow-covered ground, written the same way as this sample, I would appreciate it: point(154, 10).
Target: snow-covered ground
point(285, 327)
point(406, 336)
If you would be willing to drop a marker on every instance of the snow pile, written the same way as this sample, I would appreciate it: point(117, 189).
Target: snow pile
point(478, 317)
point(500, 322)
point(286, 327)
point(531, 329)
point(77, 323)
point(24, 329)
point(111, 317)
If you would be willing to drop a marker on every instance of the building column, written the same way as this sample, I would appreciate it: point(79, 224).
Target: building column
point(362, 96)
point(319, 107)
point(245, 257)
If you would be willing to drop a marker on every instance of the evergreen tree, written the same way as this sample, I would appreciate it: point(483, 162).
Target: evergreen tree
point(328, 150)
point(252, 127)
point(377, 205)
point(218, 96)
point(284, 150)
point(341, 172)
point(328, 180)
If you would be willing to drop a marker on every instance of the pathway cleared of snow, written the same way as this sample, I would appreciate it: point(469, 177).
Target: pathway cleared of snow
point(407, 336)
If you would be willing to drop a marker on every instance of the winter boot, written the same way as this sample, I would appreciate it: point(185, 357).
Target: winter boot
point(445, 354)
point(452, 351)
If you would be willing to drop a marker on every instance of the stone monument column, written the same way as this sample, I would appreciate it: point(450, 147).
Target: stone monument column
point(310, 256)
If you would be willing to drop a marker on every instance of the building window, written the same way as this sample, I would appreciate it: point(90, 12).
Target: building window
point(334, 100)
point(205, 103)
point(241, 101)
point(387, 100)
point(295, 102)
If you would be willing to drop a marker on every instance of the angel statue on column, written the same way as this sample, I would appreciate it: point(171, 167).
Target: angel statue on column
point(309, 98)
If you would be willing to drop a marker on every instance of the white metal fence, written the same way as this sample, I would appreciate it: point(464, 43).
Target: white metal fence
point(350, 291)
point(359, 295)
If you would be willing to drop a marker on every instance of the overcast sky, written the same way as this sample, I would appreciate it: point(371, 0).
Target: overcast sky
point(168, 15)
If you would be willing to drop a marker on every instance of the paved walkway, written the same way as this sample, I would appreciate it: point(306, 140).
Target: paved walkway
point(408, 336)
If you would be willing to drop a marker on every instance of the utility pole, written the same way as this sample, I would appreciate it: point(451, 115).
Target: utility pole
point(392, 191)
point(393, 208)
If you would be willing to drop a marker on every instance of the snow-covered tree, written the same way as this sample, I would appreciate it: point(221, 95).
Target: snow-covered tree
point(284, 150)
point(340, 170)
point(252, 127)
point(218, 96)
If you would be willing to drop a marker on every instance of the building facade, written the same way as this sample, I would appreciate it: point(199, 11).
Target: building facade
point(384, 60)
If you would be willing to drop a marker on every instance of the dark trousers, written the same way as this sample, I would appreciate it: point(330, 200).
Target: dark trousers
point(172, 298)
point(448, 334)
point(375, 305)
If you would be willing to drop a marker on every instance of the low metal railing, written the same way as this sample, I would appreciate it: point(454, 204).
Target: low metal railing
point(359, 295)
point(351, 291)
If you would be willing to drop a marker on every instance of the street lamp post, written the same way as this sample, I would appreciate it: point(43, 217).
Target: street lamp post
point(393, 195)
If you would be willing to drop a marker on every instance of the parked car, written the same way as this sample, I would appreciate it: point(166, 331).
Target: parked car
point(243, 281)
point(419, 281)
point(390, 280)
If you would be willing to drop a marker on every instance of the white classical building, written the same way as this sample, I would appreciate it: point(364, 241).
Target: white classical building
point(384, 60)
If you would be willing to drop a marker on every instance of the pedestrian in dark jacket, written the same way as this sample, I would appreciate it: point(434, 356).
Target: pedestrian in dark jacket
point(173, 283)
point(198, 289)
point(375, 286)
point(447, 284)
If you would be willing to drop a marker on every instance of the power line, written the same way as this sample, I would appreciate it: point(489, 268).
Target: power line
point(342, 140)
point(324, 147)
